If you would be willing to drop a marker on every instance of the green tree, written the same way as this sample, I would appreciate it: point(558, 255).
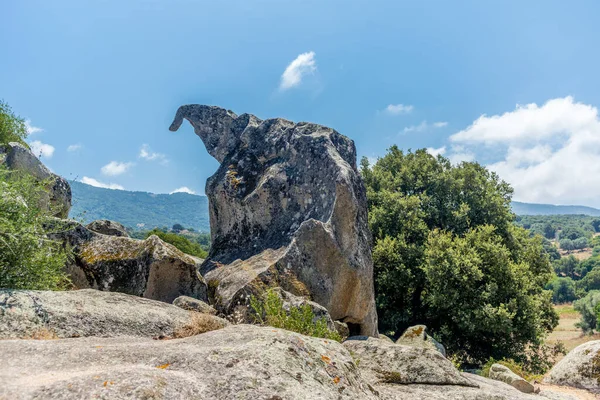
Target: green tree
point(177, 228)
point(421, 210)
point(12, 127)
point(180, 242)
point(587, 309)
point(28, 258)
point(563, 290)
point(591, 281)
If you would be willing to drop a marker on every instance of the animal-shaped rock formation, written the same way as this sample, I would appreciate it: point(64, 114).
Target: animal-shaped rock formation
point(287, 209)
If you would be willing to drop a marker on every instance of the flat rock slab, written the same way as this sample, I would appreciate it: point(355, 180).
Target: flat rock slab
point(88, 312)
point(383, 362)
point(238, 362)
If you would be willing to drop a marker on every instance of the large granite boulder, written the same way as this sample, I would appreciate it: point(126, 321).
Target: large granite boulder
point(148, 268)
point(80, 313)
point(288, 209)
point(580, 368)
point(17, 157)
point(107, 227)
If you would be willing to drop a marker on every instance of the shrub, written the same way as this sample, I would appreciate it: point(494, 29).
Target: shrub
point(538, 360)
point(587, 308)
point(269, 311)
point(28, 258)
point(199, 323)
point(180, 242)
point(12, 128)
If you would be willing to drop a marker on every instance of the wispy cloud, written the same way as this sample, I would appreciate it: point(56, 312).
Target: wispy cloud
point(32, 129)
point(396, 109)
point(183, 189)
point(41, 149)
point(147, 154)
point(114, 168)
point(96, 183)
point(424, 126)
point(74, 147)
point(302, 65)
point(436, 152)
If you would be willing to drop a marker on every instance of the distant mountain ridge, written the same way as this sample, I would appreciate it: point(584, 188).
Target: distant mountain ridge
point(143, 210)
point(549, 209)
point(139, 210)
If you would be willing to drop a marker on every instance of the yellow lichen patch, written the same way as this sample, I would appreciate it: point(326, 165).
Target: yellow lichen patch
point(114, 250)
point(163, 366)
point(336, 380)
point(326, 359)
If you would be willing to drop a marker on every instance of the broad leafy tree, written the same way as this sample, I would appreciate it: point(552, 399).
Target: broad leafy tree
point(447, 254)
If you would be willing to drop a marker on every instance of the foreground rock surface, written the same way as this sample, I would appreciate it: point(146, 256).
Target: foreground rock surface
point(288, 209)
point(237, 362)
point(580, 368)
point(502, 373)
point(17, 157)
point(148, 268)
point(81, 313)
point(240, 362)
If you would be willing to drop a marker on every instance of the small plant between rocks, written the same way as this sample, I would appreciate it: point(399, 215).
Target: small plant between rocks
point(269, 310)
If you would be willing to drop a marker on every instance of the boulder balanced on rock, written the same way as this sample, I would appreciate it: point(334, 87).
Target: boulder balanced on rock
point(287, 208)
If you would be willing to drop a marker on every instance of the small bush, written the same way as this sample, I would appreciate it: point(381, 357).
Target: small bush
point(180, 242)
point(269, 311)
point(536, 362)
point(12, 127)
point(28, 258)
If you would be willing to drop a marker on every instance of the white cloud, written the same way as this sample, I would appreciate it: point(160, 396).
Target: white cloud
point(424, 126)
point(436, 152)
point(41, 149)
point(74, 147)
point(304, 64)
point(147, 154)
point(32, 129)
point(396, 109)
point(549, 153)
point(114, 168)
point(94, 182)
point(183, 189)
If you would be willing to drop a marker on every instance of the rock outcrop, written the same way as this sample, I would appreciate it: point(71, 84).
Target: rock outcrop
point(148, 268)
point(287, 209)
point(416, 336)
point(107, 227)
point(502, 373)
point(580, 368)
point(82, 313)
point(17, 157)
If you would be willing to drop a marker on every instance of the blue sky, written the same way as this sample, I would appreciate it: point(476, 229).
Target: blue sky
point(101, 80)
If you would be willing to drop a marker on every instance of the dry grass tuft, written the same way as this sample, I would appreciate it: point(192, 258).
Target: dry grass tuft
point(199, 323)
point(42, 334)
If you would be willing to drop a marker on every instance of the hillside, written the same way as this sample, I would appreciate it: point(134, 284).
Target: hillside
point(549, 209)
point(135, 208)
